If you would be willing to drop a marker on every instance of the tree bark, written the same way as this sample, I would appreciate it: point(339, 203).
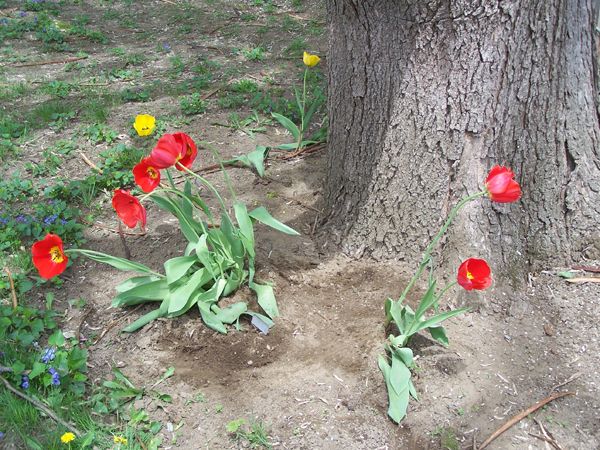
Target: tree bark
point(426, 96)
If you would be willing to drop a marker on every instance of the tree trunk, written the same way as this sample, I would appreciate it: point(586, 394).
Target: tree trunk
point(426, 96)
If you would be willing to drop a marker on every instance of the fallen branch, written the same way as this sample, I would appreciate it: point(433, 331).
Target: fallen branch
point(41, 407)
point(12, 287)
point(55, 61)
point(587, 269)
point(89, 162)
point(516, 419)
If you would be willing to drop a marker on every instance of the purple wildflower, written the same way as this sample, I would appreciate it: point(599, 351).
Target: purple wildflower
point(166, 47)
point(3, 220)
point(24, 381)
point(22, 13)
point(49, 355)
point(1, 435)
point(22, 219)
point(55, 376)
point(50, 219)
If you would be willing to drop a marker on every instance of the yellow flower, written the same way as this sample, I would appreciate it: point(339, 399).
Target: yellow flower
point(120, 440)
point(144, 124)
point(310, 60)
point(67, 437)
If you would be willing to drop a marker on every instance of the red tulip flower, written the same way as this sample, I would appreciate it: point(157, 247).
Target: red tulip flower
point(501, 185)
point(190, 150)
point(48, 256)
point(169, 149)
point(474, 274)
point(129, 209)
point(146, 175)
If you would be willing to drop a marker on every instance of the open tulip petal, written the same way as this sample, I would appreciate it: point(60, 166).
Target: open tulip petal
point(146, 175)
point(49, 257)
point(169, 150)
point(144, 124)
point(190, 151)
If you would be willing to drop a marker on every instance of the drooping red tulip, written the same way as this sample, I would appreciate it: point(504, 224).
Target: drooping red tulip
point(129, 209)
point(190, 150)
point(501, 186)
point(168, 150)
point(48, 256)
point(475, 274)
point(146, 175)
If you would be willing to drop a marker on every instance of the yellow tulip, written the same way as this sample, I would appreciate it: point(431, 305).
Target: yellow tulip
point(67, 437)
point(310, 60)
point(144, 124)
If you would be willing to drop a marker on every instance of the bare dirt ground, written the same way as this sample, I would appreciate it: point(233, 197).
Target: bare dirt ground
point(314, 378)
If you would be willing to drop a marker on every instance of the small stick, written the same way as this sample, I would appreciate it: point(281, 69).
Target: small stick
point(584, 280)
point(42, 407)
point(516, 419)
point(573, 378)
point(90, 163)
point(83, 319)
point(12, 287)
point(55, 61)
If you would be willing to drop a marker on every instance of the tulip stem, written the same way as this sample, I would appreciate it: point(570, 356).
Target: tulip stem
point(436, 239)
point(441, 294)
point(215, 153)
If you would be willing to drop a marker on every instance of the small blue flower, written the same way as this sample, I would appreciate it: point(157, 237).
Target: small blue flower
point(1, 435)
point(24, 381)
point(3, 220)
point(55, 376)
point(50, 219)
point(22, 13)
point(63, 221)
point(22, 219)
point(166, 47)
point(49, 355)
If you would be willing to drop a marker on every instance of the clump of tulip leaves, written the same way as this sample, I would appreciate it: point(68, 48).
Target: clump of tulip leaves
point(216, 262)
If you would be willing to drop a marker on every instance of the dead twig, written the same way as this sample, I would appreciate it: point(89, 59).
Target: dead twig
point(54, 61)
point(587, 269)
point(89, 162)
point(516, 419)
point(41, 407)
point(572, 378)
point(83, 319)
point(547, 436)
point(584, 280)
point(12, 287)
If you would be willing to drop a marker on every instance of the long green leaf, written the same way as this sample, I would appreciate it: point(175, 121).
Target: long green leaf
point(439, 334)
point(135, 281)
point(230, 314)
point(266, 299)
point(426, 302)
point(154, 290)
point(181, 295)
point(287, 124)
point(439, 318)
point(147, 318)
point(398, 403)
point(210, 319)
point(263, 216)
point(204, 255)
point(177, 267)
point(185, 223)
point(294, 145)
point(118, 263)
point(246, 228)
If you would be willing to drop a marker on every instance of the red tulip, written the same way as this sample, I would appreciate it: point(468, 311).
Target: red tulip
point(474, 274)
point(501, 185)
point(190, 153)
point(146, 175)
point(48, 256)
point(169, 149)
point(129, 209)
